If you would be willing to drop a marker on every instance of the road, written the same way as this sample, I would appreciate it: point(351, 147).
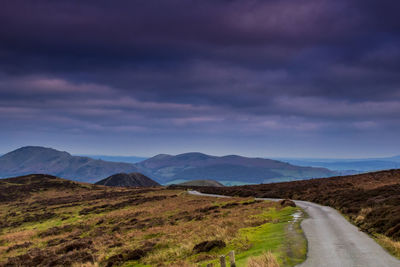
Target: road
point(334, 242)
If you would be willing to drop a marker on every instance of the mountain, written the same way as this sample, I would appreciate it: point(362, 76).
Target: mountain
point(232, 168)
point(202, 183)
point(134, 179)
point(33, 159)
point(126, 159)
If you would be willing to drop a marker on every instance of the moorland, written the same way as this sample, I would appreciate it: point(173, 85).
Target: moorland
point(48, 221)
point(371, 201)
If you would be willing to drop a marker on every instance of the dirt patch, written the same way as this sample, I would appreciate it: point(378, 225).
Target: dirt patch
point(76, 245)
point(287, 203)
point(37, 257)
point(230, 205)
point(18, 246)
point(130, 255)
point(56, 230)
point(38, 217)
point(207, 209)
point(206, 246)
point(72, 258)
point(56, 242)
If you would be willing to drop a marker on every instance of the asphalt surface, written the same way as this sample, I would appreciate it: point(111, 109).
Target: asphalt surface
point(334, 242)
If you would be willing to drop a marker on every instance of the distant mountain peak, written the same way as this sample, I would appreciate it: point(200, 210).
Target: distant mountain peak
point(194, 155)
point(161, 156)
point(37, 149)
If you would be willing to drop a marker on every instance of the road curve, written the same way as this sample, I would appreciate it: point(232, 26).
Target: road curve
point(334, 242)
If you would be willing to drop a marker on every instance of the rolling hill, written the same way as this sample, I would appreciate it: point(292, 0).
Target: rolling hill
point(32, 159)
point(202, 183)
point(134, 179)
point(225, 169)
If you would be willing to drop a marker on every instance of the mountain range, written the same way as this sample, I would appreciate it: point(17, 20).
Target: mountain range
point(229, 170)
point(165, 169)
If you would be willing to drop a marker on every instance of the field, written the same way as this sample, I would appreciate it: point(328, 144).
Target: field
point(47, 221)
point(371, 201)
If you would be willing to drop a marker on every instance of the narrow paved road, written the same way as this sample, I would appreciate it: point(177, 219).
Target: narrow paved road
point(334, 242)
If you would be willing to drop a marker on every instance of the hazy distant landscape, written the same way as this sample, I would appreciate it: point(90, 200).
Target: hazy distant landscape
point(162, 168)
point(348, 165)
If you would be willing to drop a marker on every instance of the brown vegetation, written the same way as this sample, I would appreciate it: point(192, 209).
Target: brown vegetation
point(265, 260)
point(370, 200)
point(47, 221)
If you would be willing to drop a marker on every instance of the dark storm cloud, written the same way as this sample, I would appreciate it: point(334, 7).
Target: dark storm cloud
point(205, 66)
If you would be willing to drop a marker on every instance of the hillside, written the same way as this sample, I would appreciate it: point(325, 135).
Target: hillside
point(28, 160)
point(370, 200)
point(202, 183)
point(48, 221)
point(361, 165)
point(195, 166)
point(134, 179)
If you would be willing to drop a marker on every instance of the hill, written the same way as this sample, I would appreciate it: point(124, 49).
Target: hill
point(195, 166)
point(371, 200)
point(31, 159)
point(48, 221)
point(134, 179)
point(202, 183)
point(359, 165)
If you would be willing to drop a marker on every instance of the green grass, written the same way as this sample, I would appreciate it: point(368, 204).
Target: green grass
point(269, 236)
point(289, 248)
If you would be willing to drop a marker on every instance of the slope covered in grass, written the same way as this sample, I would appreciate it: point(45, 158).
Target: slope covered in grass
point(50, 221)
point(371, 200)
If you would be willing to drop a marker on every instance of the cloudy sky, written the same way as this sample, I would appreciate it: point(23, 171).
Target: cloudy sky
point(270, 78)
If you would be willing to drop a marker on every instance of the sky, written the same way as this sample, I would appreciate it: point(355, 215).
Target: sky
point(288, 78)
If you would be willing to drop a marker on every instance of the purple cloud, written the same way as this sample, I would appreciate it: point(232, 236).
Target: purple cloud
point(178, 72)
